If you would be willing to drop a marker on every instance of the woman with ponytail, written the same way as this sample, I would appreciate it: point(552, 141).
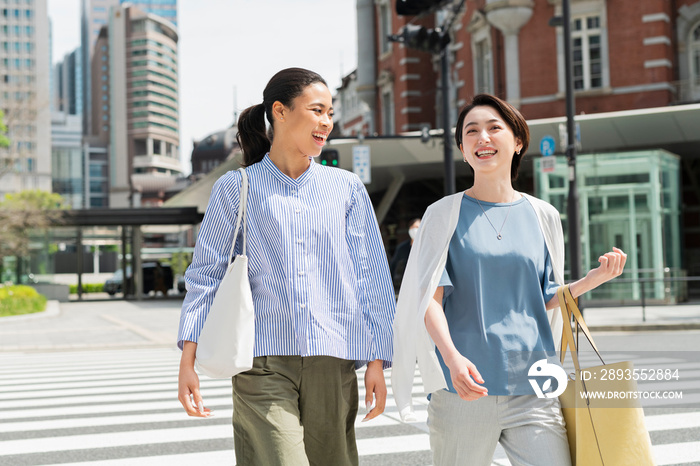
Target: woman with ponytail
point(323, 297)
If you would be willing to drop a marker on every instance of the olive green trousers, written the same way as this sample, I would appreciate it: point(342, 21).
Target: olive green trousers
point(296, 411)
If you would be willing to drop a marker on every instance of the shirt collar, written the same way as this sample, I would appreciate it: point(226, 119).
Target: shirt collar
point(284, 179)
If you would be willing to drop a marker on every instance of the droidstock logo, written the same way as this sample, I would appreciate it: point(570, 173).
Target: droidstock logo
point(544, 369)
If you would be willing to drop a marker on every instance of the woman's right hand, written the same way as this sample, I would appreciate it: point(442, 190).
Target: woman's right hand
point(466, 378)
point(188, 383)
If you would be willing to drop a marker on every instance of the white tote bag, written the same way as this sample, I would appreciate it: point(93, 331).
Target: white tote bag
point(225, 345)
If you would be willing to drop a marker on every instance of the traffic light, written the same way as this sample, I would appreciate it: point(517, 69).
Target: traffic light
point(329, 157)
point(417, 7)
point(421, 38)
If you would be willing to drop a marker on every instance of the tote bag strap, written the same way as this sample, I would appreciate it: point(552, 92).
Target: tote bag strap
point(242, 204)
point(569, 309)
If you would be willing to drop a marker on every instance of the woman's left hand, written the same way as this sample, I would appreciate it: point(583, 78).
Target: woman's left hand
point(611, 265)
point(375, 387)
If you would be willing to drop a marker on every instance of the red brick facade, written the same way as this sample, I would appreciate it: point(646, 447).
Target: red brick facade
point(641, 61)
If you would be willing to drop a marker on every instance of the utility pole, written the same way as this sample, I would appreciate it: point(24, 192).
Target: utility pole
point(434, 41)
point(572, 203)
point(450, 185)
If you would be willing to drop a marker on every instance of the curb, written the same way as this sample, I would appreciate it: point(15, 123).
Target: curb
point(53, 309)
point(644, 327)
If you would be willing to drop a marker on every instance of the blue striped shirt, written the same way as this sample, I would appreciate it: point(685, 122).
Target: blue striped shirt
point(318, 270)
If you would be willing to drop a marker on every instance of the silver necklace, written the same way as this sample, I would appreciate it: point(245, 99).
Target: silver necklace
point(498, 232)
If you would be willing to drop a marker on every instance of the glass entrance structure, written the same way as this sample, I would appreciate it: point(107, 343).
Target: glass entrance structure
point(630, 200)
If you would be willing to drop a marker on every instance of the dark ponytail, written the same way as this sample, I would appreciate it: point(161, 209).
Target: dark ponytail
point(252, 136)
point(284, 87)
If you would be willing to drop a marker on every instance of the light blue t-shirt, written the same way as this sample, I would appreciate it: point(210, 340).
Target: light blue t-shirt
point(495, 293)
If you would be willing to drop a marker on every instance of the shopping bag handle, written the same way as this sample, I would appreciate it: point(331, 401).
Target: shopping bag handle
point(570, 309)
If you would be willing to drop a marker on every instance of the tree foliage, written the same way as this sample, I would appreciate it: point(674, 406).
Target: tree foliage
point(179, 262)
point(4, 140)
point(22, 212)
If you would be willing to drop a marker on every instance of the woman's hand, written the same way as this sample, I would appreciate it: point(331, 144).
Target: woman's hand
point(375, 388)
point(188, 383)
point(466, 378)
point(611, 265)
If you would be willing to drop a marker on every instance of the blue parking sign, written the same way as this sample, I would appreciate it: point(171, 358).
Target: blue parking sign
point(547, 145)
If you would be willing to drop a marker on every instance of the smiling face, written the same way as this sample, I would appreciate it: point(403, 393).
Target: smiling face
point(488, 143)
point(306, 124)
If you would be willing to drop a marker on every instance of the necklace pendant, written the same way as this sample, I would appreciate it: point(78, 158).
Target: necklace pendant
point(499, 237)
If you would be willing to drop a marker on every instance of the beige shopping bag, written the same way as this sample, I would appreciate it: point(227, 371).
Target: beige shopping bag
point(604, 419)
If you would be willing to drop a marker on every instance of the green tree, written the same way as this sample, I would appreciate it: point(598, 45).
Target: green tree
point(179, 263)
point(4, 140)
point(22, 212)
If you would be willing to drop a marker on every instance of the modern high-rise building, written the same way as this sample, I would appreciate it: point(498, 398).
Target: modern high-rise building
point(67, 84)
point(24, 95)
point(94, 15)
point(135, 105)
point(67, 165)
point(166, 9)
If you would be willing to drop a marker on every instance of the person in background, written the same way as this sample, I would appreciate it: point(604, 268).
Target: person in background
point(322, 293)
point(478, 304)
point(398, 261)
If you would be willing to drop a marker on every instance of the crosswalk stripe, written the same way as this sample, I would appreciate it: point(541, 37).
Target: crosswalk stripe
point(673, 421)
point(224, 457)
point(385, 445)
point(27, 426)
point(108, 382)
point(677, 453)
point(138, 395)
point(108, 408)
point(115, 439)
point(111, 387)
point(56, 424)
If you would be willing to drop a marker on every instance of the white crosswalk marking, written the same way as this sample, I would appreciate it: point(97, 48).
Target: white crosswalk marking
point(119, 407)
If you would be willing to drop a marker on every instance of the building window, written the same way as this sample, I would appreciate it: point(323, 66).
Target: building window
point(385, 27)
point(586, 41)
point(694, 48)
point(483, 70)
point(388, 112)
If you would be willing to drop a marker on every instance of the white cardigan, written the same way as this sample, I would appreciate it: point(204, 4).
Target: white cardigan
point(423, 271)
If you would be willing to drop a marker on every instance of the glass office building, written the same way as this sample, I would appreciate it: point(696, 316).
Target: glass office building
point(630, 200)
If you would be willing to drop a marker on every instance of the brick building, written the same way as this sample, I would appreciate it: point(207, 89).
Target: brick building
point(636, 77)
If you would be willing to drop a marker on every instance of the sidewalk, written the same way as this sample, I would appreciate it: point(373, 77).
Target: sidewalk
point(633, 318)
point(93, 325)
point(154, 323)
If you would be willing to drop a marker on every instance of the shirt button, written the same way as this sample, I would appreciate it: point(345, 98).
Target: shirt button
point(294, 191)
point(297, 210)
point(301, 272)
point(303, 306)
point(299, 241)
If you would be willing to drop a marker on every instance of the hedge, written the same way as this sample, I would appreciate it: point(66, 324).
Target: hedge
point(20, 299)
point(87, 288)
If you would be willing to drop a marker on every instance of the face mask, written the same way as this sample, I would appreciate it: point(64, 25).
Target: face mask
point(412, 232)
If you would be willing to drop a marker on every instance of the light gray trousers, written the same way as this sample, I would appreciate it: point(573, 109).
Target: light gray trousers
point(530, 430)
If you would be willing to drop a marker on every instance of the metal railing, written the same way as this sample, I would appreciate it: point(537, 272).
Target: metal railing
point(645, 281)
